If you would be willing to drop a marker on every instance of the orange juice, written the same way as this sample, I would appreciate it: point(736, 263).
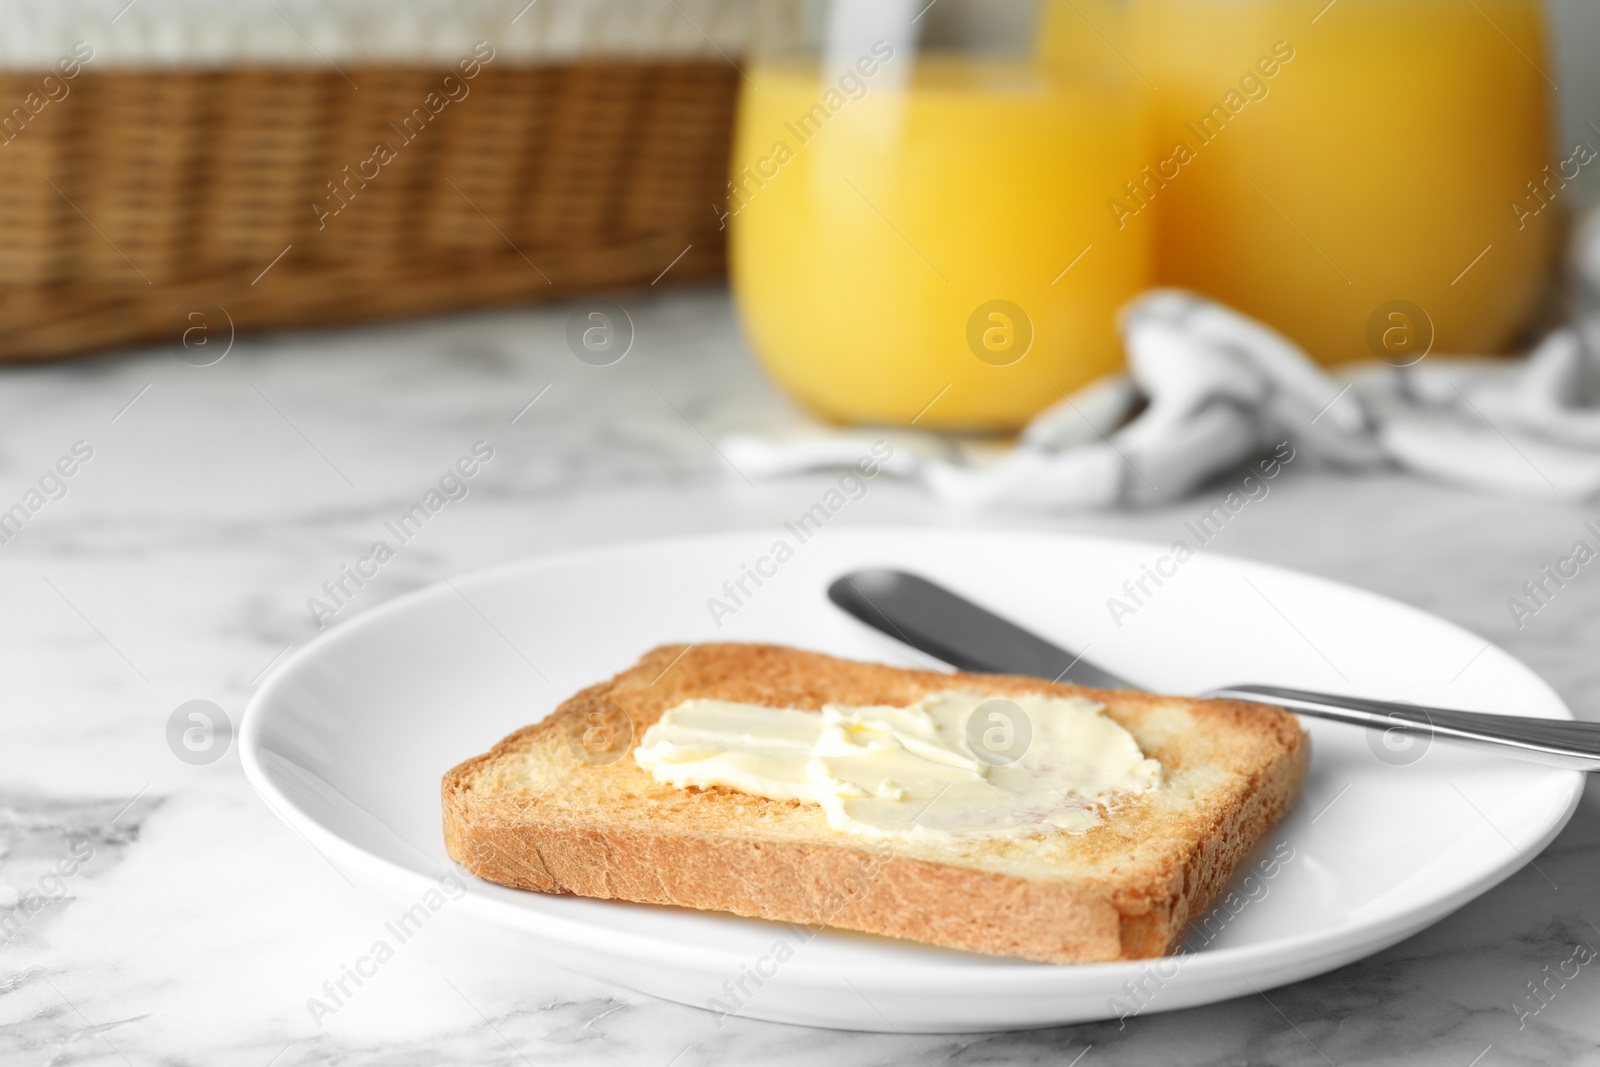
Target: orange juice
point(935, 250)
point(1398, 151)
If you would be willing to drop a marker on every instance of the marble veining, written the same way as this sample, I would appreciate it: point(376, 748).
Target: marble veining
point(178, 566)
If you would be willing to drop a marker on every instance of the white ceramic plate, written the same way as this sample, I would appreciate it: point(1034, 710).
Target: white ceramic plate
point(349, 737)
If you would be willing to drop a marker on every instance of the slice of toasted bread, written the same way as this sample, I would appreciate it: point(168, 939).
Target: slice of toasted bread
point(562, 807)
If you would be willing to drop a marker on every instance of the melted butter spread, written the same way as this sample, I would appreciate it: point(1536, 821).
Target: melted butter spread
point(1027, 765)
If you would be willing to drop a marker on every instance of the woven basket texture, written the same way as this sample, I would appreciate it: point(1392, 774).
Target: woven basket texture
point(256, 189)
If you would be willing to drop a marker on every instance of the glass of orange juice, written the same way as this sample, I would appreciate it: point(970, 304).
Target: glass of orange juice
point(1355, 173)
point(917, 210)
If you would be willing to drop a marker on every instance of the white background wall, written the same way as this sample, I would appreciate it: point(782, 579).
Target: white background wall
point(1575, 29)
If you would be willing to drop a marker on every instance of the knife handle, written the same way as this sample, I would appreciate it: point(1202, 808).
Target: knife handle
point(1555, 742)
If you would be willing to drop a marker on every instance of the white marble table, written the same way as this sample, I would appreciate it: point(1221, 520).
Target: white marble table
point(217, 499)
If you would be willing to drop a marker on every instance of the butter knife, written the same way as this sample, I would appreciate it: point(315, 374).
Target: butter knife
point(951, 628)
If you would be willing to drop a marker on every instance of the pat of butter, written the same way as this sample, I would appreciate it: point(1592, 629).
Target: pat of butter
point(954, 765)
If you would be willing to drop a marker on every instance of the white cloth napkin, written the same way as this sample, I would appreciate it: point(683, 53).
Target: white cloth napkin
point(1208, 389)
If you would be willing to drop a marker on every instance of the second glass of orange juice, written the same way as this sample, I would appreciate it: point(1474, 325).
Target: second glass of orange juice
point(1326, 167)
point(919, 231)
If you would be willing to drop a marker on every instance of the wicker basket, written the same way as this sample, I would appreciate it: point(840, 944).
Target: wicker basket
point(158, 188)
